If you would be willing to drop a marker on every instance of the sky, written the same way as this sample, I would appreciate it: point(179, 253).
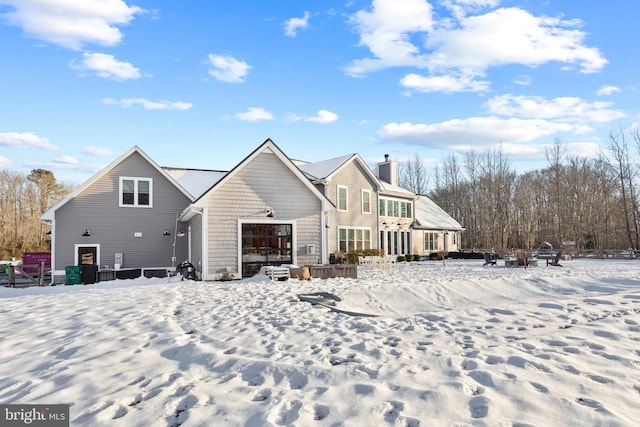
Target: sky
point(200, 84)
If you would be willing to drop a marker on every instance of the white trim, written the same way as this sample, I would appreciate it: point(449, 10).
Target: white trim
point(267, 147)
point(135, 180)
point(86, 245)
point(204, 229)
point(346, 201)
point(294, 238)
point(363, 192)
point(49, 215)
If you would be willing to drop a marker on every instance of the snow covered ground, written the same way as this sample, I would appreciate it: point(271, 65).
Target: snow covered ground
point(459, 344)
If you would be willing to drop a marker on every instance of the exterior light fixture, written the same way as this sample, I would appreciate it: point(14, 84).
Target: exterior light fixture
point(181, 233)
point(86, 233)
point(166, 233)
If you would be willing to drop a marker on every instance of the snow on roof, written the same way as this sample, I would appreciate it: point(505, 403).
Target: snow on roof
point(195, 181)
point(323, 169)
point(431, 216)
point(389, 188)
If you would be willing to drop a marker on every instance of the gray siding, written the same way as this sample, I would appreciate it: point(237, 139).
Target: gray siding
point(263, 183)
point(355, 179)
point(112, 227)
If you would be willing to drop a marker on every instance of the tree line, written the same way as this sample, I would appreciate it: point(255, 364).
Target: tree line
point(23, 199)
point(573, 203)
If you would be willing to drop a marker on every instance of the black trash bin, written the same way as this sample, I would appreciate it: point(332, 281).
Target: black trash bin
point(89, 273)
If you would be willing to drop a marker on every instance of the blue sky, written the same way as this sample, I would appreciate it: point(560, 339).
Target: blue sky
point(200, 84)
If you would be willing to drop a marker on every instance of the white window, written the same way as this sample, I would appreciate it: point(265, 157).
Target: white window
point(342, 198)
point(137, 192)
point(430, 241)
point(353, 239)
point(366, 201)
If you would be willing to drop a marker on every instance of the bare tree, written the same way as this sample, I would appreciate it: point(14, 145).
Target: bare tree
point(23, 199)
point(619, 161)
point(414, 176)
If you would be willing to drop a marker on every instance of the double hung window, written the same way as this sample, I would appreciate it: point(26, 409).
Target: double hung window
point(136, 192)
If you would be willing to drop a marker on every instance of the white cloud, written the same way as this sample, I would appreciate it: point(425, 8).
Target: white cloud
point(72, 23)
point(522, 80)
point(228, 69)
point(511, 36)
point(66, 160)
point(607, 90)
point(4, 162)
point(292, 117)
point(472, 132)
point(26, 140)
point(570, 109)
point(107, 66)
point(148, 105)
point(462, 47)
point(386, 31)
point(93, 150)
point(253, 114)
point(446, 83)
point(291, 26)
point(323, 117)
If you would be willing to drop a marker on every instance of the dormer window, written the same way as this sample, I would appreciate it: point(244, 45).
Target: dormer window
point(136, 192)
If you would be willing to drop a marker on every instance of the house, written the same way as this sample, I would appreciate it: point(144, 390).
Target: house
point(350, 185)
point(263, 212)
point(396, 211)
point(136, 215)
point(268, 210)
point(125, 215)
point(434, 230)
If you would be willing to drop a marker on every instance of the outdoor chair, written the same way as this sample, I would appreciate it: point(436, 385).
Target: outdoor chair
point(488, 260)
point(556, 260)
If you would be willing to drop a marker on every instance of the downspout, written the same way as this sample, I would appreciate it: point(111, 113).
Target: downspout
point(325, 238)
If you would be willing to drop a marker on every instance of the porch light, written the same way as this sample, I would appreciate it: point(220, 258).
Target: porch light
point(166, 233)
point(86, 233)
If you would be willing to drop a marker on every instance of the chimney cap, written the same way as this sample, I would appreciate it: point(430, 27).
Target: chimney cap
point(386, 157)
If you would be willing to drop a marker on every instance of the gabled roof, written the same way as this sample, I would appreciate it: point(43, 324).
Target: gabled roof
point(49, 214)
point(326, 169)
point(195, 181)
point(267, 146)
point(428, 215)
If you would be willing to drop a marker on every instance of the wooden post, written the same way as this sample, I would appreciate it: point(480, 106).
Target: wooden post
point(12, 276)
point(41, 278)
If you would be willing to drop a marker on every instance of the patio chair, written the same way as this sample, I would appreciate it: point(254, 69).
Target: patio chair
point(556, 260)
point(488, 260)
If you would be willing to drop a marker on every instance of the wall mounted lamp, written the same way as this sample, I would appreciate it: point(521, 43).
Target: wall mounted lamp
point(166, 233)
point(270, 213)
point(86, 233)
point(180, 233)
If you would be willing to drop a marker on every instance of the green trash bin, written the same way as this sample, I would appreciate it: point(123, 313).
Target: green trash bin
point(72, 273)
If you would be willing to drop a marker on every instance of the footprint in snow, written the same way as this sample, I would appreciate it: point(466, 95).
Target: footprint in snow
point(320, 412)
point(479, 407)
